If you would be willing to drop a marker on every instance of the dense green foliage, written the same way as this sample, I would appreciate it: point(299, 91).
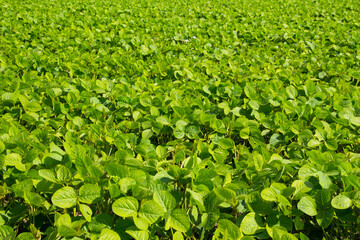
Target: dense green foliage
point(179, 119)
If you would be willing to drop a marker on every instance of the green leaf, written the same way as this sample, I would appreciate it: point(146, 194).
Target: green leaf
point(292, 92)
point(163, 120)
point(303, 237)
point(154, 111)
point(64, 197)
point(137, 234)
point(324, 180)
point(301, 186)
point(178, 236)
point(245, 133)
point(161, 152)
point(341, 202)
point(2, 161)
point(325, 217)
point(307, 171)
point(257, 204)
point(236, 111)
point(252, 224)
point(78, 121)
point(283, 200)
point(63, 174)
point(323, 199)
point(192, 132)
point(269, 194)
point(198, 199)
point(258, 160)
point(2, 146)
point(145, 101)
point(141, 223)
point(22, 187)
point(62, 219)
point(89, 193)
point(12, 159)
point(331, 144)
point(228, 228)
point(34, 199)
point(116, 170)
point(107, 234)
point(226, 143)
point(165, 200)
point(250, 91)
point(282, 234)
point(102, 221)
point(278, 221)
point(225, 193)
point(208, 220)
point(313, 143)
point(33, 107)
point(322, 75)
point(220, 155)
point(85, 211)
point(25, 236)
point(275, 139)
point(355, 121)
point(48, 175)
point(307, 205)
point(125, 206)
point(136, 115)
point(66, 231)
point(355, 181)
point(6, 232)
point(298, 223)
point(218, 125)
point(356, 199)
point(146, 134)
point(151, 210)
point(179, 132)
point(179, 220)
point(254, 104)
